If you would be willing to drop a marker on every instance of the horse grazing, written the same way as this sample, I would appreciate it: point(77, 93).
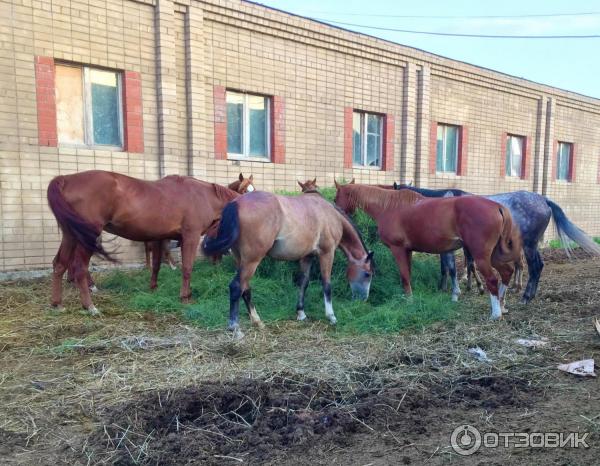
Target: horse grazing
point(531, 212)
point(291, 228)
point(309, 186)
point(241, 185)
point(84, 204)
point(407, 222)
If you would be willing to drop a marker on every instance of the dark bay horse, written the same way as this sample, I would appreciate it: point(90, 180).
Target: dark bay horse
point(531, 212)
point(291, 228)
point(407, 222)
point(84, 204)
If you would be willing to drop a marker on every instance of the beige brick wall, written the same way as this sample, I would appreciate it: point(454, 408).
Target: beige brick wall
point(182, 49)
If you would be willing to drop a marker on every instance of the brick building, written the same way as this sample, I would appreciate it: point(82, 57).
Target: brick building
point(211, 88)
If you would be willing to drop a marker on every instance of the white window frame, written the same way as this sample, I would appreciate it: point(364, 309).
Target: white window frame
point(246, 129)
point(445, 127)
point(363, 140)
point(508, 166)
point(558, 149)
point(88, 111)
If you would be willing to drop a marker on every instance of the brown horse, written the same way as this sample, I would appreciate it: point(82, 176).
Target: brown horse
point(292, 228)
point(86, 203)
point(408, 221)
point(309, 186)
point(241, 185)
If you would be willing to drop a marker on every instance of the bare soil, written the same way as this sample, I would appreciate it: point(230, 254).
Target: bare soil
point(143, 388)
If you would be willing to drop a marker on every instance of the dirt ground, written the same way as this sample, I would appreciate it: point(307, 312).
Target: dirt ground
point(145, 388)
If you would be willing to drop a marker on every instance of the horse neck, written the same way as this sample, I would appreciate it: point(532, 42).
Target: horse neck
point(223, 196)
point(365, 200)
point(351, 243)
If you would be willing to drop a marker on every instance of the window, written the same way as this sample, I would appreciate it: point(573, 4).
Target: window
point(367, 138)
point(447, 148)
point(563, 161)
point(247, 125)
point(514, 155)
point(88, 106)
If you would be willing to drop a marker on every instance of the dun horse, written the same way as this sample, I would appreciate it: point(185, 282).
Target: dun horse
point(288, 228)
point(409, 222)
point(86, 203)
point(531, 212)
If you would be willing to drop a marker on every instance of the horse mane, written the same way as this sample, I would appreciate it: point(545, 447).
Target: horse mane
point(352, 224)
point(225, 194)
point(234, 185)
point(361, 195)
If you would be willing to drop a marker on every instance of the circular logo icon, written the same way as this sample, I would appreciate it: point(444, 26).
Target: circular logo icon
point(466, 440)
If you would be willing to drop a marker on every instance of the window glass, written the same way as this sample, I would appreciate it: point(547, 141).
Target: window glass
point(257, 108)
point(235, 116)
point(69, 105)
point(447, 148)
point(105, 107)
point(563, 159)
point(439, 149)
point(514, 155)
point(356, 138)
point(373, 140)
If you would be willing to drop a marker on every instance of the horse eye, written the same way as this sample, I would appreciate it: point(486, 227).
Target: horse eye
point(367, 274)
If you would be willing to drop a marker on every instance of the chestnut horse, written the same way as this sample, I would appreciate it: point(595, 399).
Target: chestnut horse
point(309, 186)
point(407, 222)
point(291, 228)
point(84, 204)
point(241, 185)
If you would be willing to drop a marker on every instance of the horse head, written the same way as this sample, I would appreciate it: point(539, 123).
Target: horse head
point(309, 186)
point(245, 184)
point(343, 198)
point(360, 273)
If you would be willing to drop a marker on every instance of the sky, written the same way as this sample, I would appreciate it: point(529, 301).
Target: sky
point(572, 64)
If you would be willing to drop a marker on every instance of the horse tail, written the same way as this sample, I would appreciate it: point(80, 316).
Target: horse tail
point(568, 230)
point(509, 242)
point(228, 233)
point(71, 223)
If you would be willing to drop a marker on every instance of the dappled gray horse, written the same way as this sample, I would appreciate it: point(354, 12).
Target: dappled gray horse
point(532, 213)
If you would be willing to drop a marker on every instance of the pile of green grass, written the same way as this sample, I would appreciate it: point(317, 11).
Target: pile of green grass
point(274, 291)
point(556, 244)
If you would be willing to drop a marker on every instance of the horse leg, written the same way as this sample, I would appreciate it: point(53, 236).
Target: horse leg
point(148, 252)
point(443, 272)
point(80, 274)
point(506, 271)
point(246, 274)
point(305, 266)
point(454, 277)
point(155, 248)
point(535, 264)
point(189, 248)
point(491, 282)
point(326, 263)
point(166, 247)
point(403, 259)
point(472, 272)
point(60, 264)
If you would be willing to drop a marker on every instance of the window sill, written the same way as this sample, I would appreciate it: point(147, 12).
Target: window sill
point(96, 147)
point(243, 158)
point(364, 167)
point(567, 182)
point(514, 178)
point(447, 174)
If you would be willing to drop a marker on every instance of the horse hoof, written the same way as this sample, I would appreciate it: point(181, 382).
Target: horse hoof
point(173, 267)
point(333, 320)
point(454, 298)
point(93, 289)
point(505, 310)
point(237, 334)
point(259, 324)
point(93, 311)
point(301, 316)
point(57, 308)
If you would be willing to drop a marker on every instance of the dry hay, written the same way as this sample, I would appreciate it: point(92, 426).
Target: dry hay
point(144, 388)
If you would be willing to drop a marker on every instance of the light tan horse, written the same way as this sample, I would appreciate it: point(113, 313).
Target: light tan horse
point(291, 228)
point(407, 222)
point(84, 204)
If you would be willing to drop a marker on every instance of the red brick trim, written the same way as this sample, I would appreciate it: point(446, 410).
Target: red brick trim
point(46, 101)
point(133, 121)
point(463, 146)
point(554, 159)
point(503, 143)
point(220, 111)
point(278, 129)
point(572, 163)
point(432, 147)
point(388, 143)
point(348, 114)
point(526, 160)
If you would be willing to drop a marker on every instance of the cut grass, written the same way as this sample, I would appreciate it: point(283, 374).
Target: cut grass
point(275, 291)
point(556, 244)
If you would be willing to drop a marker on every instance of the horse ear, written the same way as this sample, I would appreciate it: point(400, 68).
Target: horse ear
point(411, 183)
point(395, 185)
point(241, 177)
point(353, 181)
point(300, 184)
point(315, 180)
point(337, 185)
point(251, 178)
point(369, 256)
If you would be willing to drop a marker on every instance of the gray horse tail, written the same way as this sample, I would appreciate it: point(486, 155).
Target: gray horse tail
point(567, 229)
